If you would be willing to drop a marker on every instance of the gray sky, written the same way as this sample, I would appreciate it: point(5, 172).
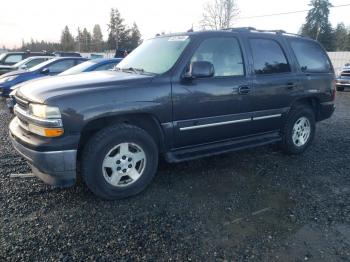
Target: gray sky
point(42, 20)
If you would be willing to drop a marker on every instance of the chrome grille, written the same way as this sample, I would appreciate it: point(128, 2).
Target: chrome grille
point(22, 103)
point(345, 73)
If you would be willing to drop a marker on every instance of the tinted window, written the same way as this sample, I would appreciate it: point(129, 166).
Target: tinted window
point(310, 56)
point(224, 53)
point(61, 66)
point(268, 57)
point(13, 59)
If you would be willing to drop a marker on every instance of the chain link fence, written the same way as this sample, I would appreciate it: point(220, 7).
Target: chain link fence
point(339, 59)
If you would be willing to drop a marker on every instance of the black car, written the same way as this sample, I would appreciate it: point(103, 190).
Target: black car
point(183, 96)
point(12, 58)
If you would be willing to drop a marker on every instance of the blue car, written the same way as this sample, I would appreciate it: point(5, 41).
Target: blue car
point(99, 64)
point(51, 67)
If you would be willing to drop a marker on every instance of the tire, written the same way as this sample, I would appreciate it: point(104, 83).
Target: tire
point(104, 154)
point(297, 144)
point(340, 88)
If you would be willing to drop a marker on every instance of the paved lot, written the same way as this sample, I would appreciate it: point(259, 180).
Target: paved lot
point(255, 205)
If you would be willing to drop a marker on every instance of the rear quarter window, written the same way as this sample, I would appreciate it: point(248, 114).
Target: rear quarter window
point(311, 57)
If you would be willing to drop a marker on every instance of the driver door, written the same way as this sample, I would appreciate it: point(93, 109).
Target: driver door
point(213, 109)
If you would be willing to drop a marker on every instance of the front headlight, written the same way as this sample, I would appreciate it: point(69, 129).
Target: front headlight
point(44, 111)
point(7, 79)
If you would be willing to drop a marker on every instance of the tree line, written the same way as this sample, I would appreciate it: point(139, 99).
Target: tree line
point(220, 14)
point(120, 36)
point(217, 14)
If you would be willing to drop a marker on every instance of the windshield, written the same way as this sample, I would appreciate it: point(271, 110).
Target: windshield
point(22, 62)
point(156, 55)
point(2, 56)
point(78, 69)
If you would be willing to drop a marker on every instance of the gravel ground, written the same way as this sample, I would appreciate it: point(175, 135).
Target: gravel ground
point(254, 205)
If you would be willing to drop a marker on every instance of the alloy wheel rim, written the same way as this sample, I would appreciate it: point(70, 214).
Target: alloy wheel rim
point(124, 164)
point(301, 132)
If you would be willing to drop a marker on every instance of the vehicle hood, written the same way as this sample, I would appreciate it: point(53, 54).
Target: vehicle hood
point(16, 73)
point(40, 90)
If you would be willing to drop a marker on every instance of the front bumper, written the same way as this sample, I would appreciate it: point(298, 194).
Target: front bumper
point(4, 92)
point(343, 82)
point(57, 168)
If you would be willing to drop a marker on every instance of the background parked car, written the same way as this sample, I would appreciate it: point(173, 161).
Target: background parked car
point(343, 80)
point(12, 58)
point(88, 66)
point(24, 64)
point(99, 64)
point(51, 67)
point(66, 54)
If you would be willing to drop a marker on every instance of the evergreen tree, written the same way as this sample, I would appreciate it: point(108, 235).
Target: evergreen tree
point(67, 40)
point(341, 37)
point(118, 35)
point(86, 41)
point(134, 37)
point(79, 40)
point(97, 39)
point(317, 25)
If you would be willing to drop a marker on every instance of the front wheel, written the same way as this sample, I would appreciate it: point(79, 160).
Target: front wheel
point(299, 130)
point(119, 161)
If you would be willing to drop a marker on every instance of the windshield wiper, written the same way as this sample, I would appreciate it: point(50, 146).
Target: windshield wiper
point(133, 70)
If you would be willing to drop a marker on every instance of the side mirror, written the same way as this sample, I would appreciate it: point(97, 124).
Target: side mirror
point(45, 71)
point(23, 67)
point(200, 69)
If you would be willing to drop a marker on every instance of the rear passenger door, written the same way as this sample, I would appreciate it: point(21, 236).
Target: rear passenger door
point(274, 82)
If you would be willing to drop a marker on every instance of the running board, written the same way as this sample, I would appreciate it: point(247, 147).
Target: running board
point(221, 147)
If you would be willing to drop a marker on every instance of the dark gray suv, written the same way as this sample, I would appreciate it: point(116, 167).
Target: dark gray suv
point(182, 96)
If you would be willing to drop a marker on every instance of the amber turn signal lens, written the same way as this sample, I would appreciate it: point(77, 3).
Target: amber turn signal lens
point(45, 131)
point(53, 132)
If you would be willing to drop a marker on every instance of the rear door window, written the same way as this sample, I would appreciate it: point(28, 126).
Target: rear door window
point(61, 66)
point(268, 57)
point(310, 56)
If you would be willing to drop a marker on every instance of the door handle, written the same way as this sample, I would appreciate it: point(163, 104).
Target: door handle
point(291, 85)
point(243, 90)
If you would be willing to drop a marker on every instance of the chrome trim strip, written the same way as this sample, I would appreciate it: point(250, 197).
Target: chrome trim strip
point(215, 124)
point(266, 117)
point(22, 114)
point(230, 122)
point(22, 101)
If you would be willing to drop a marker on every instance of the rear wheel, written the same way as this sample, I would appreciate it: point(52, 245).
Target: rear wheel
point(119, 161)
point(299, 130)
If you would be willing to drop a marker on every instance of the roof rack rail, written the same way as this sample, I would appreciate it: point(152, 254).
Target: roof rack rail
point(281, 32)
point(249, 28)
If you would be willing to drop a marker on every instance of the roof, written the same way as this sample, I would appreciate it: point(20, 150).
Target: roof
point(241, 30)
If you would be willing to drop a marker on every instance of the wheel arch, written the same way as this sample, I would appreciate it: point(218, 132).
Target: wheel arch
point(310, 101)
point(145, 121)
